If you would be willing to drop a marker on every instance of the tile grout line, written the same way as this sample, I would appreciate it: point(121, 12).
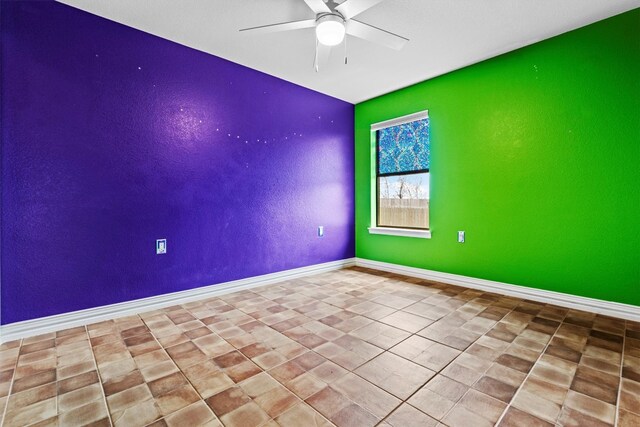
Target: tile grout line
point(471, 386)
point(315, 352)
point(383, 350)
point(209, 358)
point(352, 371)
point(176, 365)
point(202, 398)
point(513, 398)
point(624, 339)
point(95, 364)
point(309, 349)
point(293, 407)
point(214, 332)
point(387, 350)
point(402, 401)
point(173, 361)
point(411, 334)
point(164, 349)
point(263, 370)
point(442, 369)
point(13, 377)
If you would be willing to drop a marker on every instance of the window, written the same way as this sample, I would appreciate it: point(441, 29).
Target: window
point(401, 159)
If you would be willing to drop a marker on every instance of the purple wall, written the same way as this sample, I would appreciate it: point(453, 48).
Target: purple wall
point(112, 138)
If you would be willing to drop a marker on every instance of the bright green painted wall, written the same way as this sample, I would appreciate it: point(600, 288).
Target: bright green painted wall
point(536, 155)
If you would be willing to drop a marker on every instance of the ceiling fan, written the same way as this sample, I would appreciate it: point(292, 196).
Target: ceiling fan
point(332, 23)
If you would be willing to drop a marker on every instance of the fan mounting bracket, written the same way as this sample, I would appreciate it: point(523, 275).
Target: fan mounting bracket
point(332, 13)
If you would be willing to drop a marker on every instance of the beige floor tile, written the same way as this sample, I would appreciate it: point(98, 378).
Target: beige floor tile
point(32, 381)
point(460, 416)
point(176, 399)
point(516, 418)
point(406, 321)
point(77, 382)
point(31, 396)
point(570, 418)
point(328, 402)
point(483, 405)
point(550, 391)
point(430, 354)
point(589, 406)
point(381, 335)
point(228, 400)
point(302, 415)
point(305, 385)
point(374, 399)
point(118, 384)
point(506, 375)
point(258, 385)
point(537, 406)
point(328, 372)
point(276, 401)
point(84, 415)
point(395, 374)
point(160, 370)
point(628, 419)
point(196, 414)
point(393, 301)
point(630, 396)
point(408, 416)
point(31, 414)
point(165, 384)
point(432, 403)
point(555, 371)
point(128, 398)
point(79, 397)
point(354, 415)
point(495, 388)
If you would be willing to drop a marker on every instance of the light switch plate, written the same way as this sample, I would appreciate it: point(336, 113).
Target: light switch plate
point(321, 231)
point(161, 246)
point(460, 236)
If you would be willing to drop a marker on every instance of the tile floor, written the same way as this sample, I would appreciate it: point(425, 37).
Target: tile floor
point(349, 348)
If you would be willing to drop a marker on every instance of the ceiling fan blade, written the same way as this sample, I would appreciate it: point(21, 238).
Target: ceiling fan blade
point(351, 8)
point(318, 6)
point(375, 34)
point(285, 26)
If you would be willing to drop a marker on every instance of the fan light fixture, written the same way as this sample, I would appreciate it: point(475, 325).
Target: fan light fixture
point(332, 22)
point(330, 29)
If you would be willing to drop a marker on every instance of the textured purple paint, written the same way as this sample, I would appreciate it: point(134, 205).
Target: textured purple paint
point(113, 138)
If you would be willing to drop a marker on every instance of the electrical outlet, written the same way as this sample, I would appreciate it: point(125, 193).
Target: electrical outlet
point(460, 236)
point(161, 246)
point(321, 231)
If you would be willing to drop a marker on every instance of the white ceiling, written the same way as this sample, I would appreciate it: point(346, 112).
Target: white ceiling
point(444, 35)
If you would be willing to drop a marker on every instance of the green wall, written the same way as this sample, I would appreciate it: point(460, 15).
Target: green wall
point(536, 155)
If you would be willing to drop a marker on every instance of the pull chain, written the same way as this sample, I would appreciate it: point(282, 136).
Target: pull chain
point(345, 49)
point(315, 62)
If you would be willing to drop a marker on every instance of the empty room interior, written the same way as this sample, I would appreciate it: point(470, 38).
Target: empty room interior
point(314, 213)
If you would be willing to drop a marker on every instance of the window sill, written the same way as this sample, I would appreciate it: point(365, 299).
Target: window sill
point(406, 232)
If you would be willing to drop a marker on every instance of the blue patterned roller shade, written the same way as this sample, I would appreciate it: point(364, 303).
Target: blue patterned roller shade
point(404, 148)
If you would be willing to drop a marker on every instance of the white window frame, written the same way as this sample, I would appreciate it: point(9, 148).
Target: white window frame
point(373, 228)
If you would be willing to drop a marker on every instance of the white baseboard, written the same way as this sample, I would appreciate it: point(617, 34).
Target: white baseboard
point(615, 309)
point(58, 322)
